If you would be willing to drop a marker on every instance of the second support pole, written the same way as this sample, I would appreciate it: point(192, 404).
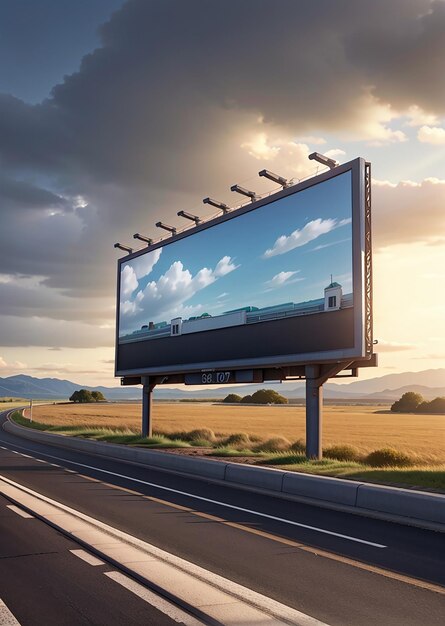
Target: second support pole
point(147, 405)
point(314, 413)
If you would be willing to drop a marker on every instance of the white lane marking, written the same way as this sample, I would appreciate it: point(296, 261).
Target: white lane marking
point(193, 584)
point(86, 556)
point(223, 504)
point(20, 512)
point(6, 617)
point(174, 612)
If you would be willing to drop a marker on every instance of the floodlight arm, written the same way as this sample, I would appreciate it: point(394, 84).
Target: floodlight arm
point(276, 178)
point(189, 216)
point(147, 240)
point(245, 192)
point(171, 229)
point(124, 248)
point(219, 205)
point(324, 160)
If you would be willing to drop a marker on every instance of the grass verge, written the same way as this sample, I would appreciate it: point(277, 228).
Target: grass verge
point(346, 462)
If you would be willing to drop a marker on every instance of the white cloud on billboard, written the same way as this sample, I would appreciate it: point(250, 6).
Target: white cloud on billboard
point(132, 273)
point(129, 281)
point(282, 278)
point(300, 237)
point(144, 264)
point(166, 296)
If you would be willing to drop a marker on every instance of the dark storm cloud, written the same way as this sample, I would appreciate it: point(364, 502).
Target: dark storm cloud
point(169, 71)
point(155, 117)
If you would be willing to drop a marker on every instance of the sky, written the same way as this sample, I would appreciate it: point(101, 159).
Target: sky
point(114, 115)
point(282, 252)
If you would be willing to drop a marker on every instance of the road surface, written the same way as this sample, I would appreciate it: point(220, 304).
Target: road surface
point(340, 568)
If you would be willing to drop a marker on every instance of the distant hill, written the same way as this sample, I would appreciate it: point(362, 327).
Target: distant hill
point(430, 383)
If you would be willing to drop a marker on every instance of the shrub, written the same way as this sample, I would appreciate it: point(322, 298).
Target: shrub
point(203, 434)
point(342, 453)
point(435, 406)
point(268, 396)
point(246, 399)
point(236, 439)
point(275, 444)
point(407, 403)
point(388, 457)
point(298, 446)
point(232, 398)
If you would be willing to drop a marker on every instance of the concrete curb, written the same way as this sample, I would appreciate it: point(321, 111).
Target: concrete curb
point(401, 505)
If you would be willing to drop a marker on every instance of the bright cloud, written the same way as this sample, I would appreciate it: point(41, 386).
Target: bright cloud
point(418, 117)
point(431, 134)
point(393, 346)
point(260, 148)
point(301, 237)
point(129, 281)
point(166, 297)
point(283, 278)
point(144, 264)
point(224, 266)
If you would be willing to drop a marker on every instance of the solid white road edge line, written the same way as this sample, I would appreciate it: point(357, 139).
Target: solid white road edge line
point(210, 501)
point(213, 594)
point(6, 617)
point(174, 612)
point(24, 514)
point(88, 558)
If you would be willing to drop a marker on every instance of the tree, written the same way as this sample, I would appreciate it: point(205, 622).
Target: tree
point(246, 399)
point(435, 406)
point(268, 396)
point(82, 395)
point(408, 403)
point(98, 396)
point(232, 398)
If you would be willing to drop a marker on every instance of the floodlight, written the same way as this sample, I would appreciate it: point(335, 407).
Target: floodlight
point(189, 216)
point(219, 205)
point(324, 160)
point(124, 248)
point(245, 192)
point(275, 178)
point(147, 240)
point(171, 229)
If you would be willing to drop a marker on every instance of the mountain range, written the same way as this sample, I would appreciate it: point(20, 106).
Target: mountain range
point(430, 383)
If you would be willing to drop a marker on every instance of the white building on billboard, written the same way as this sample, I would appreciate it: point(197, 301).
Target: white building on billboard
point(333, 296)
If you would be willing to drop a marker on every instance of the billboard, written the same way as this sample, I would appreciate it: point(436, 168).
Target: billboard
point(280, 281)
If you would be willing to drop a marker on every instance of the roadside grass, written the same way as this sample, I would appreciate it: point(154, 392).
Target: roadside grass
point(225, 451)
point(384, 465)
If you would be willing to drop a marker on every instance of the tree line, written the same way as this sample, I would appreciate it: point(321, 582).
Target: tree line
point(262, 396)
point(412, 402)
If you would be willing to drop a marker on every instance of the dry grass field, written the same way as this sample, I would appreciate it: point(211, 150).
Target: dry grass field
point(365, 427)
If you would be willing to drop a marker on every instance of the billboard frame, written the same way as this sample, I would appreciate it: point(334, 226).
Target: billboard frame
point(361, 272)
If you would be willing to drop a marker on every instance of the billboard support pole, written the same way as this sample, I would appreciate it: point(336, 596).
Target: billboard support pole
point(314, 412)
point(316, 376)
point(147, 404)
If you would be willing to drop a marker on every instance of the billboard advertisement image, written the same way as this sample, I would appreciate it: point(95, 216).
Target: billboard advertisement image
point(277, 262)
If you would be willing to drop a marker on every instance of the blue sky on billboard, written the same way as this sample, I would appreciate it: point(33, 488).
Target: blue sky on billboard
point(282, 252)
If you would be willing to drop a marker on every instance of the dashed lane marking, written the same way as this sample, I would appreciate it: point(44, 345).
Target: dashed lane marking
point(22, 513)
point(87, 557)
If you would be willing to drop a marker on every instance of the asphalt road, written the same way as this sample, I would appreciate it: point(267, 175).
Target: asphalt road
point(44, 579)
point(341, 568)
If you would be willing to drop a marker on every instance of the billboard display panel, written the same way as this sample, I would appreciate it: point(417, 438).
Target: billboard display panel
point(277, 282)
